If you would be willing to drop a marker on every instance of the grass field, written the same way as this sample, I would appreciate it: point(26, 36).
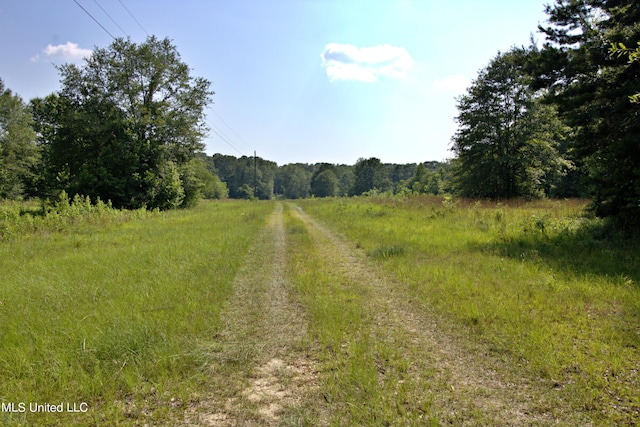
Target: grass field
point(362, 311)
point(116, 316)
point(527, 281)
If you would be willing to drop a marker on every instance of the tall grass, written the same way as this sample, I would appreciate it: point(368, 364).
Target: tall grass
point(19, 219)
point(528, 280)
point(116, 316)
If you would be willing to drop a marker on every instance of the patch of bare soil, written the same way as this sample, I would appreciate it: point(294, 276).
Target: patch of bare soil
point(259, 373)
point(467, 381)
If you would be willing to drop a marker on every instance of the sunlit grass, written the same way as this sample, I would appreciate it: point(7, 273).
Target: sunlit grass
point(115, 316)
point(364, 378)
point(529, 280)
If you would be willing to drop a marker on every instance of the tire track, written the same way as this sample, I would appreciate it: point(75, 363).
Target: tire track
point(463, 385)
point(259, 372)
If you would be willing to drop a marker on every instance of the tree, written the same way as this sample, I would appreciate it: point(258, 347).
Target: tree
point(293, 181)
point(19, 154)
point(428, 180)
point(369, 174)
point(507, 140)
point(124, 125)
point(345, 179)
point(620, 50)
point(240, 174)
point(590, 88)
point(324, 182)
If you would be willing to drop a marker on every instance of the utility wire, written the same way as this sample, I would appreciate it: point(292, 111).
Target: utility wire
point(220, 131)
point(226, 141)
point(231, 129)
point(134, 18)
point(97, 22)
point(112, 20)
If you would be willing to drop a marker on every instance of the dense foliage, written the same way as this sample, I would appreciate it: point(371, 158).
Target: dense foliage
point(125, 127)
point(591, 88)
point(507, 143)
point(19, 154)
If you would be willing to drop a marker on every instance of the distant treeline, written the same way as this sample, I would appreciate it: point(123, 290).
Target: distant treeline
point(248, 177)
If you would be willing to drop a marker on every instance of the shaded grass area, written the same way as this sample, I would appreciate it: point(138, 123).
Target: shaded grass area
point(117, 316)
point(527, 279)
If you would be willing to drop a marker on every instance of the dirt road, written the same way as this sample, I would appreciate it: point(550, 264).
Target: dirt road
point(260, 369)
point(264, 366)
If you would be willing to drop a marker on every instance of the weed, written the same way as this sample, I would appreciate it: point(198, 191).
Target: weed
point(384, 252)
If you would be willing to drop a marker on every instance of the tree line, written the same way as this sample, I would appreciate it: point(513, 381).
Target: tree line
point(249, 178)
point(556, 120)
point(561, 118)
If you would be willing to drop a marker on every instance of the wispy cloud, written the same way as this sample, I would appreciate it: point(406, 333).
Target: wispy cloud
point(366, 64)
point(68, 52)
point(456, 83)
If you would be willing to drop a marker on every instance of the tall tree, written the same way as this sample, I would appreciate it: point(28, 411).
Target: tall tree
point(369, 174)
point(18, 151)
point(507, 141)
point(345, 179)
point(294, 181)
point(324, 182)
point(124, 125)
point(591, 88)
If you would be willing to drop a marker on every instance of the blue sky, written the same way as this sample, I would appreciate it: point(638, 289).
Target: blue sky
point(298, 81)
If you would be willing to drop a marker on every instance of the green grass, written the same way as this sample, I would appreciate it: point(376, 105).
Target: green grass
point(364, 378)
point(118, 316)
point(527, 280)
point(122, 311)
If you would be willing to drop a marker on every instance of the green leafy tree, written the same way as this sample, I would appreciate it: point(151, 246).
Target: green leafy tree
point(345, 179)
point(233, 172)
point(266, 175)
point(212, 186)
point(294, 181)
point(590, 88)
point(369, 174)
point(199, 182)
point(620, 50)
point(19, 153)
point(426, 181)
point(242, 173)
point(124, 125)
point(324, 182)
point(507, 141)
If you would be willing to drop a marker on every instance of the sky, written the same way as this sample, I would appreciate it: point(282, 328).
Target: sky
point(295, 80)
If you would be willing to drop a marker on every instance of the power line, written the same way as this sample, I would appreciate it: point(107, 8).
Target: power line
point(97, 22)
point(217, 128)
point(112, 20)
point(134, 18)
point(226, 141)
point(231, 129)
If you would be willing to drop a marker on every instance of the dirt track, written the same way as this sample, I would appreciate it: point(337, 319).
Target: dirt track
point(259, 369)
point(262, 371)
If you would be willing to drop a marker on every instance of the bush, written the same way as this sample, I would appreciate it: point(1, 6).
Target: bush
point(21, 219)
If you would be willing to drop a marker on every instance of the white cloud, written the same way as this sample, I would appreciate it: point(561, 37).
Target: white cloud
point(455, 83)
point(349, 62)
point(69, 52)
